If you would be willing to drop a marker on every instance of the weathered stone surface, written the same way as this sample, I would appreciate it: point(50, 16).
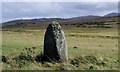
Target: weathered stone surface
point(55, 46)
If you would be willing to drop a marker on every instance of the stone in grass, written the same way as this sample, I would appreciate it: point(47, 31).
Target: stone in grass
point(55, 46)
point(4, 59)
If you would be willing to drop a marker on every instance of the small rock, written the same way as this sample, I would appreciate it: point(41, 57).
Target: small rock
point(75, 47)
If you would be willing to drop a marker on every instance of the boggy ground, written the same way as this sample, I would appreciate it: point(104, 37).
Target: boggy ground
point(92, 48)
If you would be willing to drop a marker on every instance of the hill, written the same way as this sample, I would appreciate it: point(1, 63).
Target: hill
point(91, 21)
point(111, 14)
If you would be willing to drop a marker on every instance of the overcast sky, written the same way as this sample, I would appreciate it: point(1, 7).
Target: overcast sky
point(28, 10)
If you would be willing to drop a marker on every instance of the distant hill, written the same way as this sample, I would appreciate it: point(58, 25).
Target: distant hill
point(107, 21)
point(111, 14)
point(84, 17)
point(32, 21)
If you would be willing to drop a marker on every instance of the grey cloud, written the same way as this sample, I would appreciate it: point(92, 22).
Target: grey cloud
point(12, 10)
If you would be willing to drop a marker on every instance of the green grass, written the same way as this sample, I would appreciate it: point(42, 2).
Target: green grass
point(99, 42)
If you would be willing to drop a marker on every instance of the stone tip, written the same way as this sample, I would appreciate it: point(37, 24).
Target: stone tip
point(54, 22)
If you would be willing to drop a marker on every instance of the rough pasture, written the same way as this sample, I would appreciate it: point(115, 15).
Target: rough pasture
point(95, 48)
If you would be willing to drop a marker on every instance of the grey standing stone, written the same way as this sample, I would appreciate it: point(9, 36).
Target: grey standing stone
point(55, 46)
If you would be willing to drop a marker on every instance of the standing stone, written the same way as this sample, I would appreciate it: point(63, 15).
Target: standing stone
point(55, 46)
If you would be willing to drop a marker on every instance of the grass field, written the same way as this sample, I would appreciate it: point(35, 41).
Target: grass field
point(92, 48)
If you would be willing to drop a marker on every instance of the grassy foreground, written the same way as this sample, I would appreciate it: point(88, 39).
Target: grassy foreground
point(93, 48)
